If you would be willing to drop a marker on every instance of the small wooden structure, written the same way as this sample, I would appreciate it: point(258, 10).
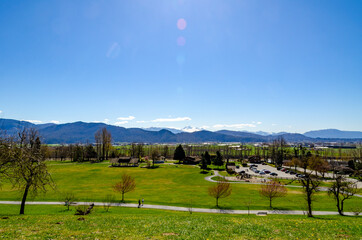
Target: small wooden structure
point(191, 160)
point(124, 162)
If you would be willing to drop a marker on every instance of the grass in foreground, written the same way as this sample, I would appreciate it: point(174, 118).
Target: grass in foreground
point(53, 222)
point(174, 185)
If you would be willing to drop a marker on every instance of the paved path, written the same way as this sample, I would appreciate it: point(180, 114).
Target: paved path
point(216, 174)
point(185, 209)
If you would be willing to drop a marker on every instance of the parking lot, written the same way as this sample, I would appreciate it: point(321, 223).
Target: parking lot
point(261, 167)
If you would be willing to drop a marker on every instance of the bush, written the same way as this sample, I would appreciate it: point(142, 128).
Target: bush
point(84, 209)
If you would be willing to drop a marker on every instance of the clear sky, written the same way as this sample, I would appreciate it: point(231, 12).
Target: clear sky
point(244, 65)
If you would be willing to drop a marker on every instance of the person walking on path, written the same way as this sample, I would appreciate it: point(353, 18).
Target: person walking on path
point(143, 201)
point(139, 203)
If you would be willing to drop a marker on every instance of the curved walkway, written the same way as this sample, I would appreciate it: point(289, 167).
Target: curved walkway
point(189, 209)
point(216, 174)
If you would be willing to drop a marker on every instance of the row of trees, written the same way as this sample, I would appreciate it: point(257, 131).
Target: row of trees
point(341, 190)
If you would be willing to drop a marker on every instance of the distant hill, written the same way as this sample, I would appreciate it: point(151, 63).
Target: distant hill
point(290, 137)
point(255, 137)
point(156, 129)
point(333, 133)
point(82, 132)
point(12, 126)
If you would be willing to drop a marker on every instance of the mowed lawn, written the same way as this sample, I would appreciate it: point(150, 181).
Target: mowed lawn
point(52, 222)
point(174, 185)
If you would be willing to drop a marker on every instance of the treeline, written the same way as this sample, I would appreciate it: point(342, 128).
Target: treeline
point(277, 151)
point(101, 150)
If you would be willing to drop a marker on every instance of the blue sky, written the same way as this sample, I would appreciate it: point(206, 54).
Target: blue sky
point(244, 65)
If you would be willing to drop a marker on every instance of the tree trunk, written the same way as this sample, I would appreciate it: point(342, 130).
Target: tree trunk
point(217, 202)
point(22, 207)
point(338, 204)
point(309, 200)
point(270, 203)
point(122, 197)
point(341, 209)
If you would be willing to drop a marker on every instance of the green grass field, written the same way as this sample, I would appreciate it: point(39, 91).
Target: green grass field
point(53, 222)
point(174, 185)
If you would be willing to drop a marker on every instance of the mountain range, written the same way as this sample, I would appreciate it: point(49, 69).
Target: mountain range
point(82, 132)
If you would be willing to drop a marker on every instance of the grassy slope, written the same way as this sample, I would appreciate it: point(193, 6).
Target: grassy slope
point(52, 222)
point(166, 185)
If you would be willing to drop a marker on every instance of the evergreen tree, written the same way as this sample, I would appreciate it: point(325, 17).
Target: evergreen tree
point(179, 153)
point(219, 159)
point(207, 158)
point(203, 162)
point(90, 152)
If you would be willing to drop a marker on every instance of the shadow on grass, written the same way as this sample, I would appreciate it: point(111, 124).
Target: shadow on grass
point(326, 218)
point(280, 209)
point(217, 168)
point(204, 172)
point(4, 216)
point(153, 167)
point(223, 208)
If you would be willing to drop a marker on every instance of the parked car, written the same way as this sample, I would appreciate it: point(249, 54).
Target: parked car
point(273, 174)
point(279, 168)
point(262, 173)
point(242, 171)
point(286, 171)
point(283, 169)
point(292, 173)
point(263, 163)
point(267, 171)
point(237, 166)
point(256, 171)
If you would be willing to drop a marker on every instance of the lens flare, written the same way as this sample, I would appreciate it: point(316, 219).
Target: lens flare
point(181, 24)
point(181, 41)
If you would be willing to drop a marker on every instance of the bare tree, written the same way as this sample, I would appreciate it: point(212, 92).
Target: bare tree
point(140, 151)
point(278, 151)
point(165, 151)
point(98, 139)
point(341, 190)
point(29, 172)
point(154, 156)
point(69, 199)
point(107, 202)
point(273, 189)
point(103, 140)
point(106, 143)
point(7, 146)
point(127, 184)
point(220, 190)
point(318, 165)
point(248, 204)
point(310, 186)
point(133, 150)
